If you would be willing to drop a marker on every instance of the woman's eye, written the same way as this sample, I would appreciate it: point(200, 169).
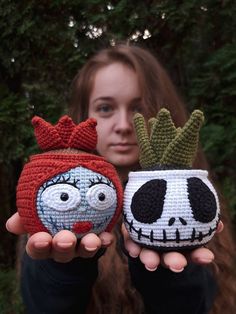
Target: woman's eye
point(137, 108)
point(104, 109)
point(61, 197)
point(101, 196)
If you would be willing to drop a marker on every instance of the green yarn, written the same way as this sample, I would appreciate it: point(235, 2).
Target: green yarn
point(163, 132)
point(182, 149)
point(151, 123)
point(166, 144)
point(147, 156)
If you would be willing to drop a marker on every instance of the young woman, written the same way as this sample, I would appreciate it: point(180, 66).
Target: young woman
point(61, 277)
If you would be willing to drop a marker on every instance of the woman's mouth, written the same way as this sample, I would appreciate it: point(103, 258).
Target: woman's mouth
point(122, 147)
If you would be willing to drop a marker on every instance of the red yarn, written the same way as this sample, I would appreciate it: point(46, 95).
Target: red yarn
point(82, 227)
point(41, 168)
point(45, 166)
point(65, 134)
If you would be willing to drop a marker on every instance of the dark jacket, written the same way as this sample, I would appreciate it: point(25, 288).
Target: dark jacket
point(49, 287)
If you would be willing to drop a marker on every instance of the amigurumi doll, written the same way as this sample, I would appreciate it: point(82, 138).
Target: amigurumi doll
point(168, 205)
point(66, 186)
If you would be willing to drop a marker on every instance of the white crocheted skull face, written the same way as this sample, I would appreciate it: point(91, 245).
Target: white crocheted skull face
point(79, 200)
point(170, 208)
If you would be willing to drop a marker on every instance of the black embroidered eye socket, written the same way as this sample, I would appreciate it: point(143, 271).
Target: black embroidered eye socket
point(202, 200)
point(147, 202)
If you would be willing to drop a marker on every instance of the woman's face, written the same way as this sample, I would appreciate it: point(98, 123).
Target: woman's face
point(114, 99)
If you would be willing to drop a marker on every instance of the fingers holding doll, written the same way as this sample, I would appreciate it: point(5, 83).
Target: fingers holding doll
point(131, 247)
point(15, 225)
point(203, 255)
point(42, 245)
point(91, 243)
point(152, 259)
point(174, 261)
point(63, 247)
point(149, 258)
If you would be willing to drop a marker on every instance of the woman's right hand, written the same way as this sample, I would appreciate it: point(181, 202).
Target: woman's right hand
point(63, 246)
point(175, 261)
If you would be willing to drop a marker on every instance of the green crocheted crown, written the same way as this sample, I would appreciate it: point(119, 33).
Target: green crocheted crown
point(167, 145)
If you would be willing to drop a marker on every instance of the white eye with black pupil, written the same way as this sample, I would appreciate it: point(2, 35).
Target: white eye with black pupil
point(101, 196)
point(61, 197)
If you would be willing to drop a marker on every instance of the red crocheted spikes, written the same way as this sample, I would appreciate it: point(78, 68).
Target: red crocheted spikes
point(65, 134)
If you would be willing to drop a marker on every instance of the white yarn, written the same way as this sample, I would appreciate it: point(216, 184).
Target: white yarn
point(176, 204)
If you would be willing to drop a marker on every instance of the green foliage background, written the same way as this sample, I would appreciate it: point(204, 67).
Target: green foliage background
point(44, 43)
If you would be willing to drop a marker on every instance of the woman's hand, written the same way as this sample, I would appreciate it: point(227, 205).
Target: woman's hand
point(175, 261)
point(63, 246)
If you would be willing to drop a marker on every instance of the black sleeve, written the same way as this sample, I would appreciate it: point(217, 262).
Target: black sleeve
point(164, 292)
point(49, 287)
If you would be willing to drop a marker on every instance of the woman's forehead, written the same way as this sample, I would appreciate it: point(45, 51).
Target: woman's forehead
point(113, 80)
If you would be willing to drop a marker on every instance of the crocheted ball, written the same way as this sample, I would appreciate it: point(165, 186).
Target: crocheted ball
point(170, 209)
point(67, 187)
point(81, 193)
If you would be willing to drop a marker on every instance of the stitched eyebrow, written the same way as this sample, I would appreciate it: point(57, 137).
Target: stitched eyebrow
point(100, 180)
point(61, 179)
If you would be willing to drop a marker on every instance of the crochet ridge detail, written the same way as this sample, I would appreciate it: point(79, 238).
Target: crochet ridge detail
point(65, 134)
point(167, 145)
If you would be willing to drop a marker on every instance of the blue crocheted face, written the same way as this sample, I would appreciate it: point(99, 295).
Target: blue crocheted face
point(79, 200)
point(171, 209)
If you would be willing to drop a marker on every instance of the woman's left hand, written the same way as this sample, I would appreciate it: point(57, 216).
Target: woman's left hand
point(175, 261)
point(63, 247)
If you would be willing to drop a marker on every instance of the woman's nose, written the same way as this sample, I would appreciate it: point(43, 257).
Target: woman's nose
point(124, 123)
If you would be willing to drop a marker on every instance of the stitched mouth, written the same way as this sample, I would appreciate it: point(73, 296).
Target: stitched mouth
point(195, 236)
point(82, 226)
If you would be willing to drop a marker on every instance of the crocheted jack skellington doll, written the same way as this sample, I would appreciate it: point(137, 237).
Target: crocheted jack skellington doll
point(66, 186)
point(168, 205)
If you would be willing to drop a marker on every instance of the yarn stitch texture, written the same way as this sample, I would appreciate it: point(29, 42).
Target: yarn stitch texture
point(54, 172)
point(168, 205)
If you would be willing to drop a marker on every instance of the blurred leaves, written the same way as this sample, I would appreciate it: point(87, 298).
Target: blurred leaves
point(9, 293)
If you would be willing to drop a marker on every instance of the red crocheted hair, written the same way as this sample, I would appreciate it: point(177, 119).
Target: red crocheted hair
point(65, 134)
point(45, 166)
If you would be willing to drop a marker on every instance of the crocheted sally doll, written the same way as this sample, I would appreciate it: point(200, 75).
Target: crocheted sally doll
point(66, 187)
point(168, 205)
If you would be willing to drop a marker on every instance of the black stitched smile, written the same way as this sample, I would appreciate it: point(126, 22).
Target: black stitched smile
point(194, 236)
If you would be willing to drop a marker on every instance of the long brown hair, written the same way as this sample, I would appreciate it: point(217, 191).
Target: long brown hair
point(117, 296)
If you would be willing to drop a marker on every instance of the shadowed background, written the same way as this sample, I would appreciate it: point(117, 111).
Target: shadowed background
point(43, 44)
